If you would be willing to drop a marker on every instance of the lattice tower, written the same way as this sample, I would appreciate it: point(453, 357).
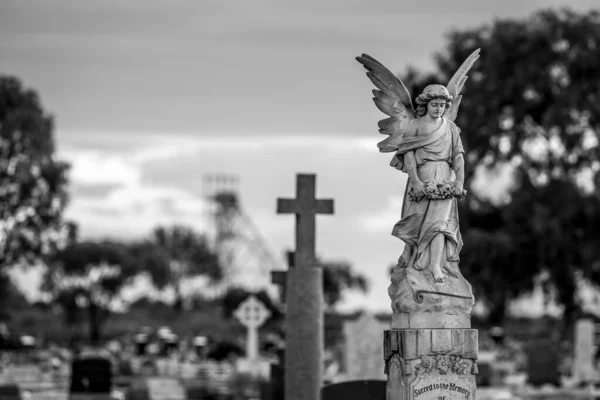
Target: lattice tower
point(242, 250)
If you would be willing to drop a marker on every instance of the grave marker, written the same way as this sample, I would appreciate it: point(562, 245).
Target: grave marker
point(165, 389)
point(583, 363)
point(363, 348)
point(252, 313)
point(304, 297)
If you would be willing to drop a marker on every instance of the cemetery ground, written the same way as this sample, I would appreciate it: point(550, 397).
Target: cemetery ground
point(201, 352)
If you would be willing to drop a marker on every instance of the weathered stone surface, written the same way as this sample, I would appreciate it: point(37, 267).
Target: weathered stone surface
point(583, 364)
point(418, 302)
point(304, 334)
point(363, 348)
point(304, 296)
point(431, 363)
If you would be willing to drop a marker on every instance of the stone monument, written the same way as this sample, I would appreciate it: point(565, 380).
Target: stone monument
point(583, 363)
point(431, 350)
point(363, 347)
point(252, 313)
point(304, 296)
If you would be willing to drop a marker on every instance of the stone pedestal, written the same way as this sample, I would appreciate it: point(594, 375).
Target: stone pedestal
point(431, 351)
point(430, 364)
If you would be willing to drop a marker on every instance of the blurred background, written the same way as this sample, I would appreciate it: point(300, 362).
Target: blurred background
point(143, 146)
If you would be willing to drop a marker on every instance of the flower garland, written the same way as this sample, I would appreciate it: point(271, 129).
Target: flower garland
point(436, 190)
point(444, 364)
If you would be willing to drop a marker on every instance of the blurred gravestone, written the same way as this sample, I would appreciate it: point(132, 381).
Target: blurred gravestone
point(137, 391)
point(148, 368)
point(583, 363)
point(276, 389)
point(165, 389)
point(200, 344)
point(125, 367)
point(497, 335)
point(542, 362)
point(10, 392)
point(91, 375)
point(364, 348)
point(355, 390)
point(141, 343)
point(484, 375)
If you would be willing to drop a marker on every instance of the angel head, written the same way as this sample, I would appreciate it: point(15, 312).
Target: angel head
point(437, 108)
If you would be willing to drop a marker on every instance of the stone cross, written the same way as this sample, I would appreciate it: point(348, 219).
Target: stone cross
point(252, 314)
point(279, 277)
point(306, 207)
point(304, 296)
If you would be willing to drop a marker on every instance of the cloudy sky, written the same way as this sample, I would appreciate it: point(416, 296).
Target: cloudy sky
point(151, 96)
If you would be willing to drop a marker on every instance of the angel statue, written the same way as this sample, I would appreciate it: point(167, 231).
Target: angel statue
point(429, 149)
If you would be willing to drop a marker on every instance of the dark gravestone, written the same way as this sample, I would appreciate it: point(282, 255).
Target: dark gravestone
point(141, 343)
point(484, 375)
point(355, 390)
point(277, 386)
point(91, 375)
point(196, 392)
point(10, 392)
point(137, 391)
point(542, 363)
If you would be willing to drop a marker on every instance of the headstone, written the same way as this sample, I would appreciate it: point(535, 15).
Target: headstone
point(542, 362)
point(364, 348)
point(200, 343)
point(10, 391)
point(304, 300)
point(252, 313)
point(165, 389)
point(356, 390)
point(583, 363)
point(141, 343)
point(91, 375)
point(25, 373)
point(276, 388)
point(219, 377)
point(279, 277)
point(137, 391)
point(485, 363)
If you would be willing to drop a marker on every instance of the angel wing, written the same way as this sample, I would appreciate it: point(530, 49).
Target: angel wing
point(458, 81)
point(392, 99)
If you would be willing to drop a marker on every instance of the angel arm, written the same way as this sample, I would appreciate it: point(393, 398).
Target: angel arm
point(459, 168)
point(410, 166)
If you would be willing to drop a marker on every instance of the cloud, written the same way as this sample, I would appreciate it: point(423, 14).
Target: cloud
point(383, 221)
point(111, 199)
point(132, 211)
point(90, 167)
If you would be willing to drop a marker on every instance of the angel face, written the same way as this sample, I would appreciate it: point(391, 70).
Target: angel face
point(436, 108)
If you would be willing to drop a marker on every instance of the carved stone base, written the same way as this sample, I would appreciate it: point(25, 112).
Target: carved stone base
point(418, 302)
point(430, 364)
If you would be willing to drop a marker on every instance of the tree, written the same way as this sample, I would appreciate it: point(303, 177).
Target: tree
point(174, 254)
point(531, 106)
point(338, 278)
point(86, 279)
point(33, 184)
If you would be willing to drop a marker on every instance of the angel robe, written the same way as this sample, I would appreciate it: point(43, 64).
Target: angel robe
point(422, 221)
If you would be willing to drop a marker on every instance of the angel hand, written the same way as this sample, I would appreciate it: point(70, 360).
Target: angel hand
point(418, 187)
point(458, 187)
